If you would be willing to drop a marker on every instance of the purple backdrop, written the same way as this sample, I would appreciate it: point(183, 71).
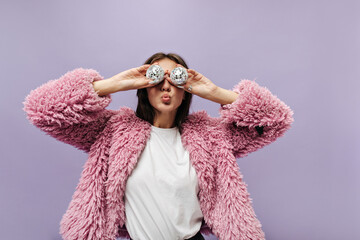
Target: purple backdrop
point(303, 186)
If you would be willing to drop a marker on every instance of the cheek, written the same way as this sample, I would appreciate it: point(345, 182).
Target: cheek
point(150, 94)
point(181, 95)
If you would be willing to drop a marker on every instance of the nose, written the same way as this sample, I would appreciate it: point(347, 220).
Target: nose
point(165, 85)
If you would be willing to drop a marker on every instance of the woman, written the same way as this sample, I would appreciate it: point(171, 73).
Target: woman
point(158, 173)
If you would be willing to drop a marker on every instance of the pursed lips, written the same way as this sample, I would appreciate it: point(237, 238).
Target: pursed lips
point(165, 98)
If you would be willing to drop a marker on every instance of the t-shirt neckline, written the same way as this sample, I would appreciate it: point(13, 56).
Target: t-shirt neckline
point(163, 129)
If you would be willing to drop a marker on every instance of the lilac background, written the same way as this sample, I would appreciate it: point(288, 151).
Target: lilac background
point(303, 186)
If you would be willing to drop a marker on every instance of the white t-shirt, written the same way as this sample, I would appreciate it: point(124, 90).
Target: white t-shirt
point(161, 193)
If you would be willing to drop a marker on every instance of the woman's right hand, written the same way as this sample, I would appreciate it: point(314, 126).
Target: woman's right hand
point(134, 78)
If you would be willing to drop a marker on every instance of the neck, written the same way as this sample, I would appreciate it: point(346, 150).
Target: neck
point(165, 120)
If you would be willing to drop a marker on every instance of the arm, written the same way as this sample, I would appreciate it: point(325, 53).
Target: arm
point(251, 115)
point(255, 119)
point(223, 96)
point(69, 109)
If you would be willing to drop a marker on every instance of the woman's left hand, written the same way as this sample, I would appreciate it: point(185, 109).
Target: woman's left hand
point(198, 83)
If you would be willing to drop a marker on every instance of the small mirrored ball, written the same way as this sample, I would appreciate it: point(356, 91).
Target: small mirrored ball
point(179, 76)
point(156, 73)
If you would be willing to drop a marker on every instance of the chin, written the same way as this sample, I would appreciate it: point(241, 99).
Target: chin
point(166, 108)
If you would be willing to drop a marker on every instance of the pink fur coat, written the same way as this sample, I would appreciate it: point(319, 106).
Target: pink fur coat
point(69, 110)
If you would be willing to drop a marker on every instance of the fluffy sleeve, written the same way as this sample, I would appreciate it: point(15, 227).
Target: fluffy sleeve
point(255, 119)
point(69, 109)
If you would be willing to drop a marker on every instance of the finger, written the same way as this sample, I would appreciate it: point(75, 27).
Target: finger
point(194, 74)
point(192, 71)
point(143, 68)
point(179, 65)
point(152, 82)
point(147, 86)
point(191, 74)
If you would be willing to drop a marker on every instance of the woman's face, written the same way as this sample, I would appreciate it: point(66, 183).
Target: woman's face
point(165, 97)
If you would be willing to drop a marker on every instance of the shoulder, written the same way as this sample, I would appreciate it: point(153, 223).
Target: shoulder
point(201, 119)
point(123, 114)
point(125, 118)
point(207, 133)
point(200, 122)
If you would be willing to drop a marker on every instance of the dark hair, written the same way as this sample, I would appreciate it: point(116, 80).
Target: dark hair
point(146, 111)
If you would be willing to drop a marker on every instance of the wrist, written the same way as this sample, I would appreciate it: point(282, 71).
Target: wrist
point(223, 96)
point(119, 83)
point(105, 86)
point(117, 78)
point(214, 93)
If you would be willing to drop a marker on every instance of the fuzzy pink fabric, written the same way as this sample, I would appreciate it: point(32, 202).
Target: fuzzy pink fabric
point(70, 110)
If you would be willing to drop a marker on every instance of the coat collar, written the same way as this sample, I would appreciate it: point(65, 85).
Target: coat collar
point(130, 135)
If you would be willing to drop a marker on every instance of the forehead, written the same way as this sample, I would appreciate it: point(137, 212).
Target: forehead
point(167, 64)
